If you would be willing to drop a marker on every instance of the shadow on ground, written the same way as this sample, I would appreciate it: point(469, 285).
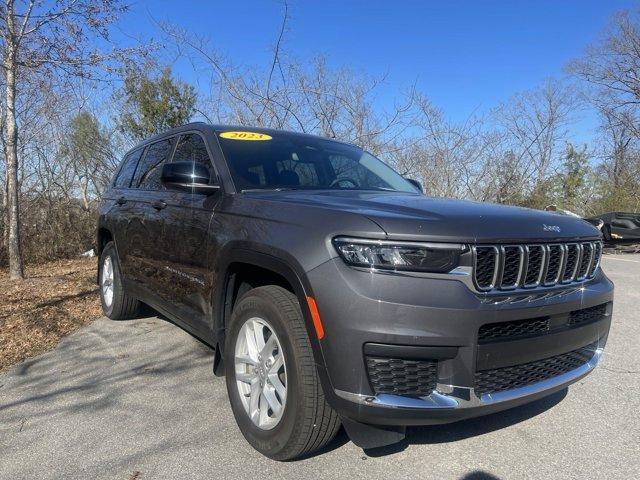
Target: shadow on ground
point(453, 432)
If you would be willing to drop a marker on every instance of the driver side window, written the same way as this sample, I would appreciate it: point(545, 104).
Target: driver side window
point(191, 148)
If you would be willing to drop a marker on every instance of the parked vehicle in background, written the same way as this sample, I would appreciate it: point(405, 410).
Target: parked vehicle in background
point(619, 227)
point(335, 293)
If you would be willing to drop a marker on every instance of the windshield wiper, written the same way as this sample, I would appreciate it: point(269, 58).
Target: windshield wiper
point(279, 189)
point(383, 189)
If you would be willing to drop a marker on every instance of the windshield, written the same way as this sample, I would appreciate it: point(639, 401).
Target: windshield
point(290, 161)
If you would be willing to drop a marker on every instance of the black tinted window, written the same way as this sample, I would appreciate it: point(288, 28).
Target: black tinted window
point(191, 148)
point(150, 168)
point(128, 167)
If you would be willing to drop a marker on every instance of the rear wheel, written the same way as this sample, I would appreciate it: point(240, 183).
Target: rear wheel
point(272, 382)
point(116, 303)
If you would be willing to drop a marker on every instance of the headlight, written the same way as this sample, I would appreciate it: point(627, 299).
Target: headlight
point(404, 256)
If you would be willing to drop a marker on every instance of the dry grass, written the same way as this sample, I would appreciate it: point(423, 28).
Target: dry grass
point(56, 299)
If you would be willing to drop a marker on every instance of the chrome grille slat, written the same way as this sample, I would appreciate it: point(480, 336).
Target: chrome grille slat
point(597, 246)
point(534, 265)
point(512, 266)
point(554, 265)
point(586, 259)
point(571, 259)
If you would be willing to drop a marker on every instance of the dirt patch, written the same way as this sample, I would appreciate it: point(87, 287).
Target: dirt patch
point(54, 300)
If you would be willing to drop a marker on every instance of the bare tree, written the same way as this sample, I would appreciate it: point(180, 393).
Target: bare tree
point(290, 94)
point(535, 123)
point(610, 72)
point(450, 158)
point(611, 68)
point(55, 40)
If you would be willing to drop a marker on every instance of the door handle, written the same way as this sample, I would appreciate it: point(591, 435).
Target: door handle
point(159, 204)
point(121, 201)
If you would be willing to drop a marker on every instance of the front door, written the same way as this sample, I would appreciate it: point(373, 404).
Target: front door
point(187, 221)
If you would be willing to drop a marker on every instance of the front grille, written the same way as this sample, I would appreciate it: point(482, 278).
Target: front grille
point(587, 315)
point(509, 378)
point(492, 332)
point(521, 266)
point(402, 377)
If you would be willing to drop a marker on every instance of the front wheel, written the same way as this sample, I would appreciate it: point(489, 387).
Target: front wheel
point(272, 382)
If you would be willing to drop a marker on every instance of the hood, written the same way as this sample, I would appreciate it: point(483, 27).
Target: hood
point(417, 217)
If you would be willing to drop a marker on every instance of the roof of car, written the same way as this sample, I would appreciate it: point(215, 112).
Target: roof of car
point(223, 127)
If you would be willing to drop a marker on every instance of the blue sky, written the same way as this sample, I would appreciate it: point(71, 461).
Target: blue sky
point(466, 56)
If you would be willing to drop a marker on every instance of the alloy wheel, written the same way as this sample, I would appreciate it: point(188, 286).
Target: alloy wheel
point(106, 281)
point(261, 375)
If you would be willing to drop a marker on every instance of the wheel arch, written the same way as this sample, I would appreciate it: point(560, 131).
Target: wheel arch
point(103, 237)
point(280, 270)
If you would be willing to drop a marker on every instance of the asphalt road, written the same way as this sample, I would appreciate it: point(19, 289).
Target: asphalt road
point(137, 400)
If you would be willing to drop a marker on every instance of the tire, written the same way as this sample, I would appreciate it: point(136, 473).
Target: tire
point(120, 306)
point(307, 423)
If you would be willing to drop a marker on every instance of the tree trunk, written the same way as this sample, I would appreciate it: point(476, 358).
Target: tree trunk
point(5, 212)
point(84, 195)
point(16, 268)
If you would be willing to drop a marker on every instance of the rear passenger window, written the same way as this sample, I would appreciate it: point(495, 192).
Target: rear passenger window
point(191, 148)
point(123, 180)
point(150, 168)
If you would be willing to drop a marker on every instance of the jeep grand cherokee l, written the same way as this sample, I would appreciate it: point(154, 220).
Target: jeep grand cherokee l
point(333, 292)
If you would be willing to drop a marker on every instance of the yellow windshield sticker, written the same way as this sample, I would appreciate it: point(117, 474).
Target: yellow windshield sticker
point(251, 136)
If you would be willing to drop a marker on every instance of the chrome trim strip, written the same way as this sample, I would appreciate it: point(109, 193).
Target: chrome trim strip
point(563, 262)
point(499, 273)
point(521, 267)
point(455, 397)
point(545, 265)
point(592, 259)
point(579, 261)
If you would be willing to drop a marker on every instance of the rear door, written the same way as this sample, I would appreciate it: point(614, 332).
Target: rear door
point(123, 212)
point(187, 218)
point(147, 241)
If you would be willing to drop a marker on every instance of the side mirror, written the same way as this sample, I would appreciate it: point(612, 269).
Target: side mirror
point(189, 176)
point(415, 183)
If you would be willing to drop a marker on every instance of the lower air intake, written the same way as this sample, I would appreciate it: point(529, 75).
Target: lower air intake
point(509, 378)
point(402, 377)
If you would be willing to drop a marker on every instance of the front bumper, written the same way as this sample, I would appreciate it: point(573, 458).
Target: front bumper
point(414, 312)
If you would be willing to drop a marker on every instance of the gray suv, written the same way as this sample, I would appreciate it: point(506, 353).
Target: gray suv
point(334, 292)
